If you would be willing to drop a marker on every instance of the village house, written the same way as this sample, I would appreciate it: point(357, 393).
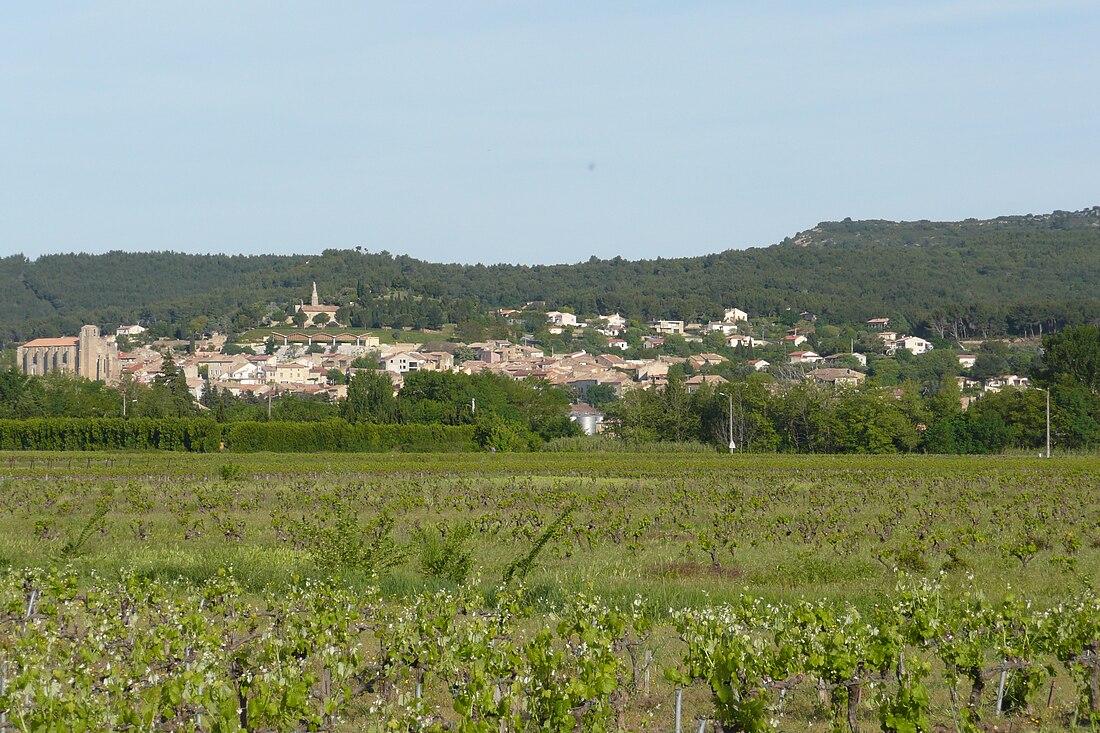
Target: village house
point(804, 357)
point(967, 361)
point(720, 326)
point(795, 339)
point(649, 370)
point(733, 315)
point(238, 389)
point(996, 384)
point(134, 330)
point(695, 382)
point(614, 321)
point(558, 318)
point(404, 361)
point(438, 361)
point(651, 342)
point(668, 327)
point(879, 324)
point(702, 361)
point(197, 387)
point(913, 344)
point(219, 366)
point(619, 344)
point(966, 383)
point(612, 331)
point(741, 340)
point(290, 372)
point(861, 358)
point(835, 376)
point(758, 364)
point(250, 372)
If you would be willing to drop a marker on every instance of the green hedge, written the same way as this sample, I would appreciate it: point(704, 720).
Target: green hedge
point(205, 436)
point(74, 433)
point(342, 436)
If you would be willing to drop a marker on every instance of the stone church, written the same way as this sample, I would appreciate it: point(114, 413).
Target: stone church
point(315, 309)
point(88, 355)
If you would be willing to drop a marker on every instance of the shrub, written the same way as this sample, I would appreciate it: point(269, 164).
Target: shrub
point(443, 551)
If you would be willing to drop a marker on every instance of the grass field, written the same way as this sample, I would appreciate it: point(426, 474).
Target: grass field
point(675, 531)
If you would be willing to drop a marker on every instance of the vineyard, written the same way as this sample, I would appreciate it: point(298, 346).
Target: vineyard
point(547, 592)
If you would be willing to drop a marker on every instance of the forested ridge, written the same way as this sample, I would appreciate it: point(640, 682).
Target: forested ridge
point(1014, 274)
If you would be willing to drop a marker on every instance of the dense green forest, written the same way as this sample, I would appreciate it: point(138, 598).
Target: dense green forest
point(1018, 275)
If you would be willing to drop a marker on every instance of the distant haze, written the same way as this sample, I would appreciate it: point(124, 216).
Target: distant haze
point(526, 132)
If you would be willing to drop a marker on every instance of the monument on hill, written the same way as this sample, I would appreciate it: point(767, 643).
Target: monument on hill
point(315, 309)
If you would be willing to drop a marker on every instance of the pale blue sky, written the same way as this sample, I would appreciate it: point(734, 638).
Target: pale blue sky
point(533, 131)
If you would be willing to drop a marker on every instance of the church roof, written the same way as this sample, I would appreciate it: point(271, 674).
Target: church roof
point(63, 341)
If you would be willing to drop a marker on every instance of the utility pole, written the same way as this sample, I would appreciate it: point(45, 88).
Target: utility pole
point(733, 445)
point(269, 407)
point(1048, 421)
point(473, 405)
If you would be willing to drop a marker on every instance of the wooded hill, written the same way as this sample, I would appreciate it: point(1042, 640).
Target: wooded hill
point(1016, 274)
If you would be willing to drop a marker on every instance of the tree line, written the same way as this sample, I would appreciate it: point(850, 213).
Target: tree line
point(759, 415)
point(1014, 275)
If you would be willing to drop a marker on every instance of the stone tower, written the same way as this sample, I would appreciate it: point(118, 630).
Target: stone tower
point(313, 299)
point(96, 357)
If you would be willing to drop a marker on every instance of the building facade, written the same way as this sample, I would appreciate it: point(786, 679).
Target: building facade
point(88, 355)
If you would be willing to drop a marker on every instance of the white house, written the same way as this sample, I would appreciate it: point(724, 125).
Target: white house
point(913, 344)
point(967, 361)
point(406, 361)
point(618, 344)
point(733, 315)
point(614, 320)
point(134, 330)
point(758, 364)
point(996, 384)
point(558, 318)
point(741, 340)
point(674, 327)
point(804, 357)
point(725, 328)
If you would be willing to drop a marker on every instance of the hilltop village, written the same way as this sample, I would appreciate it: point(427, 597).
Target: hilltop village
point(606, 355)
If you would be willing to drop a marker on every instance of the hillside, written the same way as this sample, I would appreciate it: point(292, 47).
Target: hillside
point(1011, 274)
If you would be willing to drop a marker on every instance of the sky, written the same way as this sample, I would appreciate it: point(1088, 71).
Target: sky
point(533, 132)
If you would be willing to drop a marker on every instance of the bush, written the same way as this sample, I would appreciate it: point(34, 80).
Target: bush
point(231, 472)
point(338, 542)
point(494, 433)
point(443, 551)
